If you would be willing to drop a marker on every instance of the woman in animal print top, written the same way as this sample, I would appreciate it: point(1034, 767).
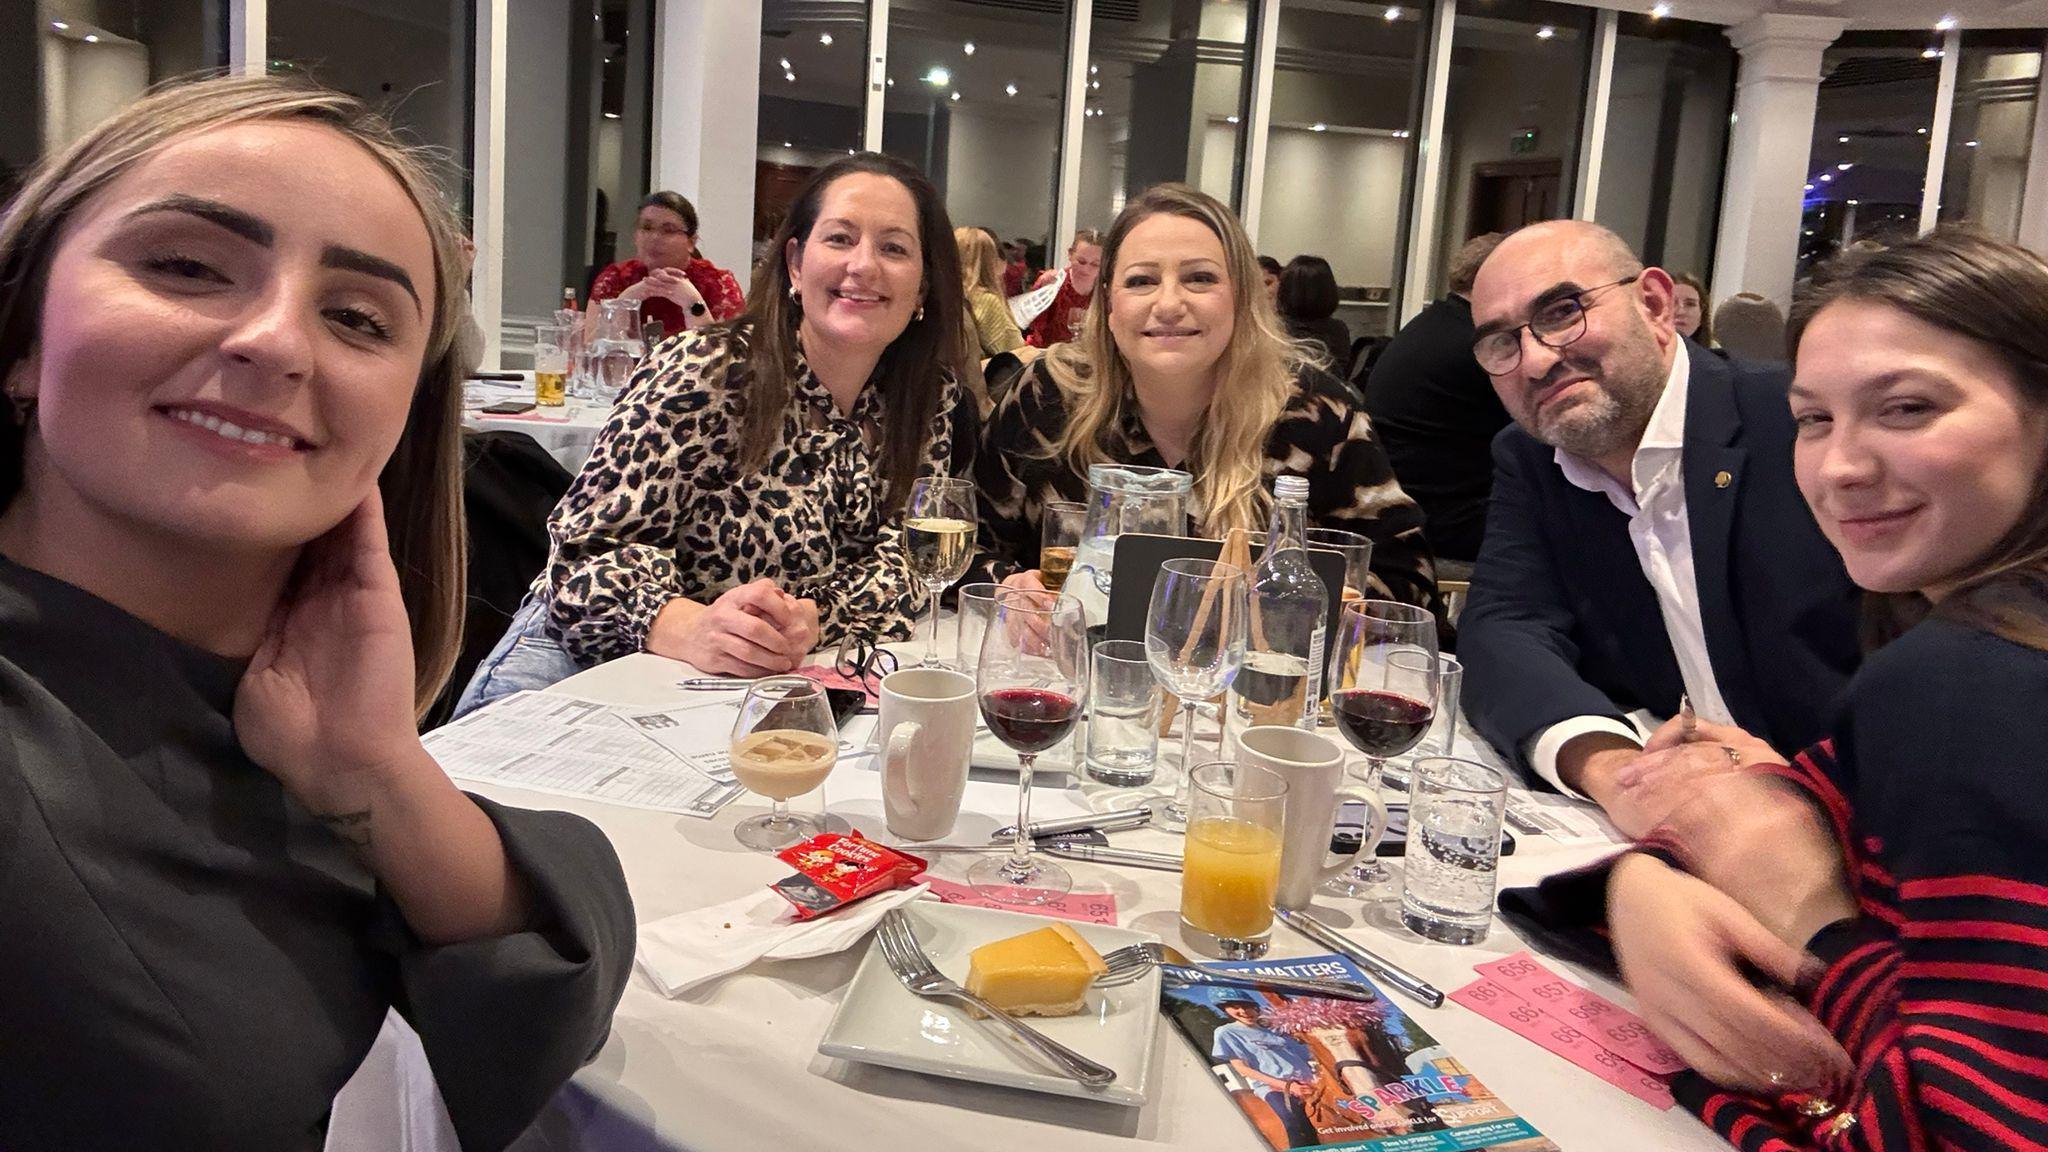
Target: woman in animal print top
point(740, 506)
point(1182, 363)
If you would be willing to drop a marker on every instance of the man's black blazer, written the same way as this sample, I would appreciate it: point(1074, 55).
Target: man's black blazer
point(1562, 622)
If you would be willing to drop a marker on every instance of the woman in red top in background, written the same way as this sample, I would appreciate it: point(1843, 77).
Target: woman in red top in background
point(673, 283)
point(1062, 318)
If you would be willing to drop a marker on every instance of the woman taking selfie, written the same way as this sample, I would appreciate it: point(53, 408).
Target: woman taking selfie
point(742, 504)
point(1895, 874)
point(227, 319)
point(673, 282)
point(1182, 364)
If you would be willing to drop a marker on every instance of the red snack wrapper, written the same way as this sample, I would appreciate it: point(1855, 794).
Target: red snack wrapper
point(835, 869)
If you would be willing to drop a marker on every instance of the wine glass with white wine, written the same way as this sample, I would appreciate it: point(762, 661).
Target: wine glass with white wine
point(938, 539)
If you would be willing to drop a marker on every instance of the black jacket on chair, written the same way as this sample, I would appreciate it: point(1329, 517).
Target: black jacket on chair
point(1562, 622)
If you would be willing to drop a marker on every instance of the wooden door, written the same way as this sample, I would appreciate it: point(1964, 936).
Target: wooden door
point(1507, 194)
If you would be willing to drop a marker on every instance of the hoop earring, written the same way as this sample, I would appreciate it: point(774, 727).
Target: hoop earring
point(919, 314)
point(795, 297)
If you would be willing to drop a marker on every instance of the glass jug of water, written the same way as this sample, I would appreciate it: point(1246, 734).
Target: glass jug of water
point(616, 348)
point(1123, 498)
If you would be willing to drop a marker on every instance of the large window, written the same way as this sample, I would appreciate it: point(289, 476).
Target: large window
point(578, 125)
point(1167, 83)
point(1998, 80)
point(1868, 163)
point(414, 61)
point(76, 62)
point(1341, 145)
point(1667, 139)
point(976, 102)
point(1512, 118)
point(813, 82)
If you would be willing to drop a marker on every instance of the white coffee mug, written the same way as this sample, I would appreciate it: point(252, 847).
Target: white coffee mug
point(926, 734)
point(1313, 766)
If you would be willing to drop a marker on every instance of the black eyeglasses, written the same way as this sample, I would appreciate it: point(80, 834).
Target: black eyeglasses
point(1556, 325)
point(860, 658)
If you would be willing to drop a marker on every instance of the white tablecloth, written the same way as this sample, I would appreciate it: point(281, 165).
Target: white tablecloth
point(567, 433)
point(734, 1064)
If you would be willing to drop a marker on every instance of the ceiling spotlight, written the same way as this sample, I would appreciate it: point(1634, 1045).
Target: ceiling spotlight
point(1945, 24)
point(786, 65)
point(1930, 54)
point(825, 38)
point(1009, 89)
point(1827, 177)
point(91, 39)
point(955, 96)
point(787, 144)
point(1230, 119)
point(1660, 11)
point(1393, 13)
point(1969, 143)
point(1809, 187)
point(1921, 131)
point(849, 151)
point(1545, 32)
point(968, 47)
point(1852, 203)
point(1095, 85)
point(1809, 231)
point(1841, 139)
point(789, 76)
point(1091, 69)
point(892, 81)
point(1843, 167)
point(938, 77)
point(611, 115)
point(60, 26)
point(1319, 126)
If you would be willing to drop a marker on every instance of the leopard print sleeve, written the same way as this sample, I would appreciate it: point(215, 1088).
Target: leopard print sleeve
point(1324, 437)
point(869, 588)
point(613, 536)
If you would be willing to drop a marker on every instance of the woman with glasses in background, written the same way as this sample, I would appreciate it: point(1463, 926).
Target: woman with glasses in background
point(1182, 363)
point(742, 505)
point(672, 281)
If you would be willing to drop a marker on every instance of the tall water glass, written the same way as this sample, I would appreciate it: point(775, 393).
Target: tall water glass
point(1031, 680)
point(1442, 737)
point(1230, 861)
point(1195, 641)
point(977, 606)
point(1122, 733)
point(938, 540)
point(1454, 814)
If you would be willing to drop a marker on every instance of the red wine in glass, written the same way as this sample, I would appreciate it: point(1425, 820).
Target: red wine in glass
point(1029, 719)
point(1380, 723)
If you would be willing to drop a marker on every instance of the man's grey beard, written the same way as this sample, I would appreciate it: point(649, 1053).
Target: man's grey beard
point(1592, 429)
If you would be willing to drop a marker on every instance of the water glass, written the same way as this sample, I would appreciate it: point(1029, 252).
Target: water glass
point(1442, 737)
point(1123, 715)
point(1454, 815)
point(977, 606)
point(1357, 553)
point(1230, 866)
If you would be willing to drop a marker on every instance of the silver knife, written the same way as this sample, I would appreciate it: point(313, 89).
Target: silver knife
point(1402, 980)
point(1100, 821)
point(1099, 854)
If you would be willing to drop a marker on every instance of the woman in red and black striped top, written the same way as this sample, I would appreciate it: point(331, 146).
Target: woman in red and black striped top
point(1898, 874)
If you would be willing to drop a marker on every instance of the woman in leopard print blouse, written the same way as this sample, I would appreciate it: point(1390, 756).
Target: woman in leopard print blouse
point(740, 506)
point(1181, 363)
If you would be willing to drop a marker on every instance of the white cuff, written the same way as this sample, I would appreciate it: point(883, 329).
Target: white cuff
point(1543, 747)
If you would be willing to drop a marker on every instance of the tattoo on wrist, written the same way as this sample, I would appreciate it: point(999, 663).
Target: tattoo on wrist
point(352, 827)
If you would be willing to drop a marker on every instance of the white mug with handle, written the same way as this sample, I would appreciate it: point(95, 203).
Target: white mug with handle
point(1313, 766)
point(926, 735)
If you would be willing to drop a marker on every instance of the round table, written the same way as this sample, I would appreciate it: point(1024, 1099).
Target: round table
point(733, 1064)
point(567, 433)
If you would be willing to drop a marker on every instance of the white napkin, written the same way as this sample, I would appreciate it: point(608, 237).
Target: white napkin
point(682, 951)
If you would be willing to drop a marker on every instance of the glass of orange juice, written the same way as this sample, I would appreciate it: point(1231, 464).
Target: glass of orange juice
point(1230, 867)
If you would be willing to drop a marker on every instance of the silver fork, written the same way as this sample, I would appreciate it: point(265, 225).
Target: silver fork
point(1130, 962)
point(915, 970)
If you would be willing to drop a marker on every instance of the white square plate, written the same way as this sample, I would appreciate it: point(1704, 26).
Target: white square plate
point(881, 1022)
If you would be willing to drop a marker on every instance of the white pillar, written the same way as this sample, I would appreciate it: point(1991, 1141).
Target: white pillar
point(707, 101)
point(1593, 133)
point(1418, 285)
point(1937, 140)
point(1073, 123)
point(487, 181)
point(1769, 144)
point(1262, 117)
point(248, 37)
point(2034, 201)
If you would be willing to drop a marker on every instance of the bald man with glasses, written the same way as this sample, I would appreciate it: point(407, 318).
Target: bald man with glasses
point(1645, 542)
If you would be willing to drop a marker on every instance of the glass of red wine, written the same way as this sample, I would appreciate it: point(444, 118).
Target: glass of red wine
point(1383, 699)
point(1031, 678)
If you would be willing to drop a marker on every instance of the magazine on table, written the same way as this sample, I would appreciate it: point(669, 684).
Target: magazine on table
point(1337, 1075)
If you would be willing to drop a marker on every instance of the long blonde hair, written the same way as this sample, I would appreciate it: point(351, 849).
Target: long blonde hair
point(1256, 372)
point(980, 266)
point(422, 482)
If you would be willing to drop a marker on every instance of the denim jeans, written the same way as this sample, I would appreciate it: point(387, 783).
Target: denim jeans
point(525, 657)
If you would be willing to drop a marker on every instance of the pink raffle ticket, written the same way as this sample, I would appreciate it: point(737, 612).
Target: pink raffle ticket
point(1086, 907)
point(1588, 1029)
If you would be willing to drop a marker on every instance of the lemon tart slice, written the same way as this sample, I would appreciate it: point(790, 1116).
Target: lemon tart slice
point(1042, 973)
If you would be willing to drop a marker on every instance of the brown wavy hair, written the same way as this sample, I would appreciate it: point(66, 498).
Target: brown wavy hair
point(1995, 293)
point(1705, 336)
point(912, 368)
point(422, 482)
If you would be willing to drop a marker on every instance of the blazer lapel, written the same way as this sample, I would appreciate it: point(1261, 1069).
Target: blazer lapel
point(1714, 464)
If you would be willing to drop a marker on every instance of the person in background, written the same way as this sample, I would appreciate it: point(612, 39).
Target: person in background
point(1061, 319)
point(1750, 326)
point(1183, 365)
point(1016, 267)
point(1645, 540)
point(1689, 310)
point(231, 581)
point(1307, 302)
point(1437, 413)
point(673, 282)
point(980, 274)
point(1893, 874)
point(1269, 272)
point(741, 505)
